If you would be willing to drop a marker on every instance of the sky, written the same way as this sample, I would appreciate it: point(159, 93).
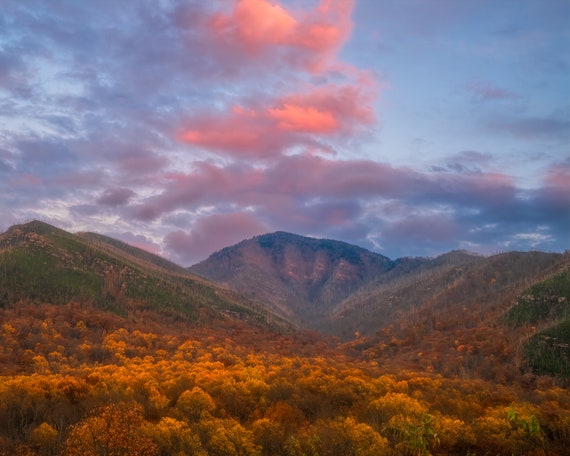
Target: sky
point(408, 127)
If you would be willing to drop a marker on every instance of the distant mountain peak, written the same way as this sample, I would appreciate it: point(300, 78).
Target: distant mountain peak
point(337, 249)
point(299, 276)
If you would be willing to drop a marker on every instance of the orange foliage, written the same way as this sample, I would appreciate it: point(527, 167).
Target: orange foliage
point(71, 386)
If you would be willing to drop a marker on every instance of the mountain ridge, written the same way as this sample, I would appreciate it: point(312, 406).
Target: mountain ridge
point(41, 262)
point(280, 270)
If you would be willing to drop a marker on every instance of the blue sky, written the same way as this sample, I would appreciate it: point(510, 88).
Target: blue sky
point(410, 127)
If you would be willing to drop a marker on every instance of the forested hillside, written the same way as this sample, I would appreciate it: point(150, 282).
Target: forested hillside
point(108, 350)
point(41, 262)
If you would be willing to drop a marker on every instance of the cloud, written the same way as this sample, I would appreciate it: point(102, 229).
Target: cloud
point(13, 72)
point(552, 199)
point(115, 197)
point(303, 119)
point(328, 108)
point(138, 240)
point(424, 228)
point(254, 24)
point(304, 111)
point(486, 91)
point(365, 199)
point(233, 134)
point(554, 126)
point(296, 119)
point(262, 29)
point(211, 233)
point(300, 177)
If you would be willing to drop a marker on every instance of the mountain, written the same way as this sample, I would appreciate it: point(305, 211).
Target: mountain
point(543, 311)
point(44, 264)
point(343, 289)
point(301, 278)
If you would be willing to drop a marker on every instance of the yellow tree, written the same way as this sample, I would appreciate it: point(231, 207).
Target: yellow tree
point(44, 439)
point(195, 404)
point(175, 438)
point(228, 438)
point(347, 437)
point(111, 431)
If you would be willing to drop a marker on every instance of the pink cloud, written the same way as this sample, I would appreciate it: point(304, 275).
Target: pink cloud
point(255, 24)
point(242, 132)
point(280, 186)
point(304, 38)
point(302, 175)
point(25, 180)
point(225, 134)
point(294, 119)
point(326, 109)
point(555, 191)
point(207, 184)
point(558, 177)
point(212, 233)
point(303, 119)
point(299, 42)
point(293, 183)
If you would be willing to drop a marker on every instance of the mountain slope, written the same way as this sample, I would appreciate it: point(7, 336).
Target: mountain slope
point(41, 263)
point(445, 284)
point(479, 320)
point(300, 277)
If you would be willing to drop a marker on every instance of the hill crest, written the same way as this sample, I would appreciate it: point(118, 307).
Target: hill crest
point(44, 264)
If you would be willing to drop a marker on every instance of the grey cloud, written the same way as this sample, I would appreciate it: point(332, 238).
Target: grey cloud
point(115, 197)
point(533, 127)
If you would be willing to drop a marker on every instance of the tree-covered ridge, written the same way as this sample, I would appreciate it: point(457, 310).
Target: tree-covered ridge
point(302, 278)
point(135, 254)
point(458, 328)
point(41, 262)
point(342, 289)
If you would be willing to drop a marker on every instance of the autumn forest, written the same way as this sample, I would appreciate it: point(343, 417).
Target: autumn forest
point(108, 350)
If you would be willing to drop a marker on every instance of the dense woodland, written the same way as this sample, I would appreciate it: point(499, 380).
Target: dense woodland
point(80, 381)
point(157, 363)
